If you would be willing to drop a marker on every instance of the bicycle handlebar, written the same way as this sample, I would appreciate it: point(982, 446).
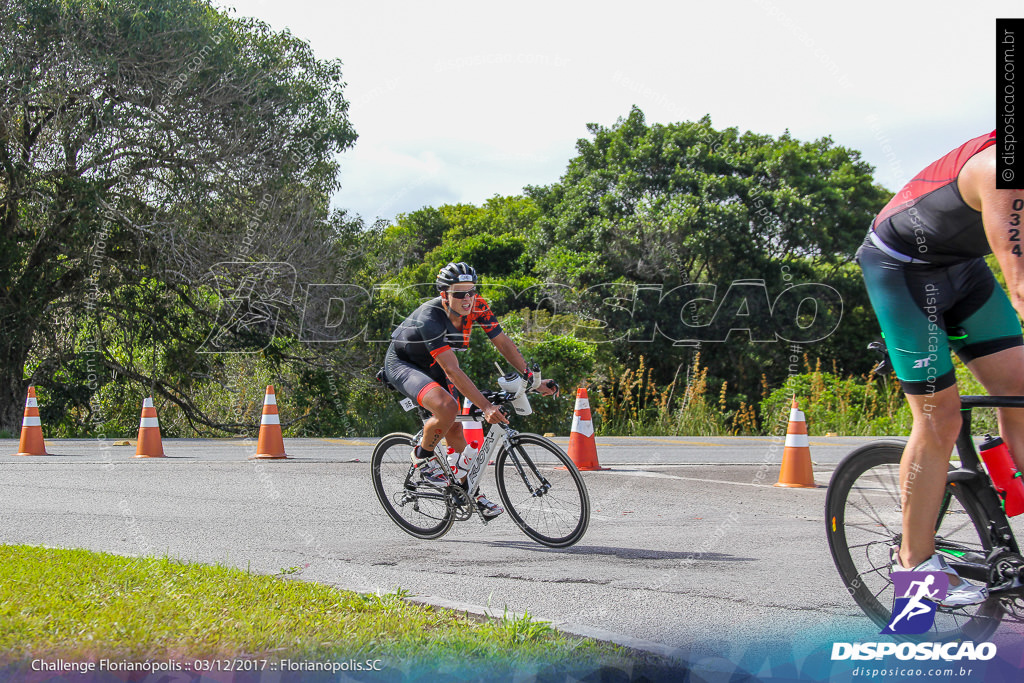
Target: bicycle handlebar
point(980, 401)
point(502, 399)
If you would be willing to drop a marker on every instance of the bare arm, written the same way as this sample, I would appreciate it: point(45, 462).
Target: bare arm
point(507, 348)
point(1003, 214)
point(450, 364)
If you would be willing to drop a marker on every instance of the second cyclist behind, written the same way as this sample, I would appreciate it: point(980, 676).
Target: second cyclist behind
point(421, 364)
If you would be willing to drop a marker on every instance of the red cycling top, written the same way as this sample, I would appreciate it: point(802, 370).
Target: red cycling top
point(928, 220)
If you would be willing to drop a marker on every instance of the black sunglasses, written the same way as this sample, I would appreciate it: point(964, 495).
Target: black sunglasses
point(462, 295)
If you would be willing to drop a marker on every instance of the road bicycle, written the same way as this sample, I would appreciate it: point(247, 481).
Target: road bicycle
point(539, 486)
point(863, 518)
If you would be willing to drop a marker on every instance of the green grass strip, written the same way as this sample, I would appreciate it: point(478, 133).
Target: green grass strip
point(82, 605)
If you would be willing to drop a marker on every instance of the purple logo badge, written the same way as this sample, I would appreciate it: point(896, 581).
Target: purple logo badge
point(916, 597)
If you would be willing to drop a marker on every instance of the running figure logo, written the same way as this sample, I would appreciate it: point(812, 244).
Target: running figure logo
point(917, 594)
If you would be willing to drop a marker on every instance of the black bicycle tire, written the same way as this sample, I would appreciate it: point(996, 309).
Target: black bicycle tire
point(837, 501)
point(424, 532)
point(583, 521)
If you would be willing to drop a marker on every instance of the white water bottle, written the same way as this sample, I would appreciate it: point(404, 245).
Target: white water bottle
point(462, 462)
point(516, 385)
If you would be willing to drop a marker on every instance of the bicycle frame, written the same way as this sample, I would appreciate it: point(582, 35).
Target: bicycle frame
point(495, 439)
point(972, 476)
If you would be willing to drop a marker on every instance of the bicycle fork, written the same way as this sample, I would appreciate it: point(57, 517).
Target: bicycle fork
point(535, 492)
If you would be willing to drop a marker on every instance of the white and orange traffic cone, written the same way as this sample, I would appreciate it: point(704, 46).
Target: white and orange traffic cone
point(31, 442)
point(270, 445)
point(150, 445)
point(582, 445)
point(796, 471)
point(472, 430)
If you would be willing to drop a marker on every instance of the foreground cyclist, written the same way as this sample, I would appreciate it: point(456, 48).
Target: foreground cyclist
point(925, 272)
point(421, 364)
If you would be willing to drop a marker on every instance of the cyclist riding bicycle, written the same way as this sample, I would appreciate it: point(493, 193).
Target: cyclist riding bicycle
point(421, 364)
point(924, 268)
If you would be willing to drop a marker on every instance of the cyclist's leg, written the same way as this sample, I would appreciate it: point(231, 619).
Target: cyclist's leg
point(426, 389)
point(455, 437)
point(1002, 374)
point(923, 470)
point(443, 408)
point(910, 303)
point(994, 351)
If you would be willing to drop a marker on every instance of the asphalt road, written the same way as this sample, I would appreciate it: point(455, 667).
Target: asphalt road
point(658, 450)
point(690, 546)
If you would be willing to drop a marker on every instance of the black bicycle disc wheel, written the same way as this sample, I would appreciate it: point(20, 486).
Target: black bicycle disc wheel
point(863, 516)
point(423, 512)
point(542, 491)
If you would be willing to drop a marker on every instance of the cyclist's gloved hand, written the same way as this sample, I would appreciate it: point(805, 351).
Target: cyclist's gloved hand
point(493, 414)
point(549, 387)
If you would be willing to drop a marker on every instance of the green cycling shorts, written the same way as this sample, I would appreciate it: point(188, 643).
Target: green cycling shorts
point(917, 304)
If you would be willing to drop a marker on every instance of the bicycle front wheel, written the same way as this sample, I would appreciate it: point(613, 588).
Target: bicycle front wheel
point(542, 491)
point(864, 519)
point(420, 511)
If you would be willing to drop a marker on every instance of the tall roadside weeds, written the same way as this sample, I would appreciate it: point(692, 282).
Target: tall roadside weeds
point(867, 405)
point(629, 403)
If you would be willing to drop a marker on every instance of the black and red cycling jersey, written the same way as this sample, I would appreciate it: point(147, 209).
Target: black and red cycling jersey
point(429, 331)
point(928, 220)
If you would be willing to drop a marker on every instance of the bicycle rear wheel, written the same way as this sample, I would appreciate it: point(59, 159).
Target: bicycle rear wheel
point(542, 491)
point(863, 518)
point(420, 511)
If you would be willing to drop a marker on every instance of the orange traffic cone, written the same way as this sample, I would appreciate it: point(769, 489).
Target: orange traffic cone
point(582, 446)
point(271, 443)
point(150, 445)
point(796, 469)
point(31, 429)
point(472, 430)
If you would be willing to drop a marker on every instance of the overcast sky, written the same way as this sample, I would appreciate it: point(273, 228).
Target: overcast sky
point(459, 101)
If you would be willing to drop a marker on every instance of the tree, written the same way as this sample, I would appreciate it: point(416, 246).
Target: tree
point(424, 240)
point(141, 143)
point(684, 205)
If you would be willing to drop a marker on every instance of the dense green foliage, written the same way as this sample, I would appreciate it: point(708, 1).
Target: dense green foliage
point(166, 225)
point(664, 242)
point(142, 143)
point(674, 215)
